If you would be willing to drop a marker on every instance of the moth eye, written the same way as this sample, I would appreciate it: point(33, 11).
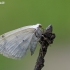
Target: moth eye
point(40, 26)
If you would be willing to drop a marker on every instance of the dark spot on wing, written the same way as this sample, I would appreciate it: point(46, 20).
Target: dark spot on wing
point(2, 36)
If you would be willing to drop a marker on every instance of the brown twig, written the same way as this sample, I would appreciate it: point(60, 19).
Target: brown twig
point(46, 39)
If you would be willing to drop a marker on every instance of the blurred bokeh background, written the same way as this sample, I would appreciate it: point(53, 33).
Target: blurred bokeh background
point(19, 13)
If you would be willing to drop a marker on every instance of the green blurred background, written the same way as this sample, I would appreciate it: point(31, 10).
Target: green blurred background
point(19, 13)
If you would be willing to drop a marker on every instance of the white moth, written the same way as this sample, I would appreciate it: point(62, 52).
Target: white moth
point(14, 44)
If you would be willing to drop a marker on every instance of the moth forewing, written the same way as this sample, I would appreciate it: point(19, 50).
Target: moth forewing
point(14, 44)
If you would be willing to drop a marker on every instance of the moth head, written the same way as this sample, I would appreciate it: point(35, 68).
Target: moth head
point(39, 25)
point(39, 30)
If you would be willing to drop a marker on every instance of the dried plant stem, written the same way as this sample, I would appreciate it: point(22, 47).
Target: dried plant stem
point(40, 60)
point(45, 40)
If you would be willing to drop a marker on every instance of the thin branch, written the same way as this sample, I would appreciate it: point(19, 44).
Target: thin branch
point(46, 39)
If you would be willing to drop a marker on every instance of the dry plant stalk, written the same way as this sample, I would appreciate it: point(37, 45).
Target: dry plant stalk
point(45, 40)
